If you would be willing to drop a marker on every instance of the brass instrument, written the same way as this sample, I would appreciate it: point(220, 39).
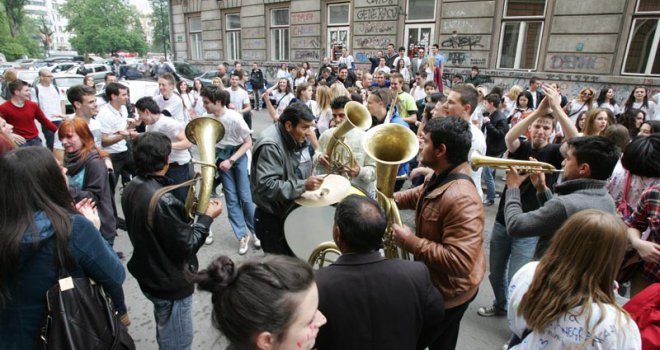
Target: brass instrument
point(318, 257)
point(527, 166)
point(204, 132)
point(339, 154)
point(390, 145)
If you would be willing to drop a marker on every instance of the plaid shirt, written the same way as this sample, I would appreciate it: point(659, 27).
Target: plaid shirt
point(647, 215)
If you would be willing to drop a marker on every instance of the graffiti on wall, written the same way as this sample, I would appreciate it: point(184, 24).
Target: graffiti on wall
point(305, 43)
point(462, 42)
point(388, 13)
point(578, 62)
point(373, 42)
point(305, 17)
point(306, 55)
point(376, 28)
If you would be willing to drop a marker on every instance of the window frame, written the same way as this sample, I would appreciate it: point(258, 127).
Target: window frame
point(198, 47)
point(343, 24)
point(655, 47)
point(411, 21)
point(506, 6)
point(519, 47)
point(282, 55)
point(637, 11)
point(236, 34)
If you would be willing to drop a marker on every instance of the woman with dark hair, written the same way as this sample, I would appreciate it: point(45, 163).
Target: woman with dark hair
point(301, 77)
point(649, 127)
point(638, 169)
point(308, 69)
point(198, 105)
point(40, 227)
point(184, 92)
point(6, 140)
point(606, 100)
point(523, 107)
point(580, 122)
point(267, 304)
point(639, 99)
point(597, 121)
point(401, 69)
point(571, 289)
point(633, 119)
point(278, 97)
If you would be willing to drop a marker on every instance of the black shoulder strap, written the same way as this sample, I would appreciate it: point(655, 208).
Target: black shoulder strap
point(456, 176)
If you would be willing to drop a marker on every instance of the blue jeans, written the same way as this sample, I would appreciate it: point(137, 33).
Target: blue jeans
point(179, 174)
point(50, 135)
point(236, 187)
point(32, 142)
point(489, 178)
point(174, 324)
point(506, 251)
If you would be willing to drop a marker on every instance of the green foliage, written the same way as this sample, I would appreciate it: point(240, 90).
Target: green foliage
point(161, 24)
point(104, 26)
point(26, 43)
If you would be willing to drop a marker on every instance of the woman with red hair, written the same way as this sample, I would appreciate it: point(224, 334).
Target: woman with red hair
point(6, 141)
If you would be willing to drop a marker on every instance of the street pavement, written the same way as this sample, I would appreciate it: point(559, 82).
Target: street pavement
point(477, 333)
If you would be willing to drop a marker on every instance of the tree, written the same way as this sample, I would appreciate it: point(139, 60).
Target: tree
point(15, 15)
point(26, 43)
point(160, 17)
point(104, 26)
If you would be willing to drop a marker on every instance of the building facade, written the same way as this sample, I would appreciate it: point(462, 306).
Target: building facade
point(48, 11)
point(576, 43)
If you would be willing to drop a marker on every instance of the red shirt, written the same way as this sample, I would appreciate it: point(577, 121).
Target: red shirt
point(22, 118)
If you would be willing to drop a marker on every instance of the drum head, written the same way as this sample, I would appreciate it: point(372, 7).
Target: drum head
point(307, 227)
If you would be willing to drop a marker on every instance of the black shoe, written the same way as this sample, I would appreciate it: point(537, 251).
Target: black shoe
point(489, 202)
point(121, 224)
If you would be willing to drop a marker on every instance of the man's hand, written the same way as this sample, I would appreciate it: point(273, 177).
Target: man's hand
point(214, 209)
point(400, 234)
point(323, 160)
point(649, 251)
point(313, 183)
point(225, 165)
point(354, 171)
point(514, 179)
point(538, 179)
point(486, 120)
point(553, 96)
point(18, 139)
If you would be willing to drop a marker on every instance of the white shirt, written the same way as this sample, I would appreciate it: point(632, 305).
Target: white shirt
point(172, 128)
point(348, 61)
point(385, 69)
point(49, 101)
point(478, 145)
point(323, 122)
point(406, 61)
point(112, 121)
point(236, 129)
point(94, 127)
point(174, 105)
point(417, 92)
point(616, 331)
point(238, 98)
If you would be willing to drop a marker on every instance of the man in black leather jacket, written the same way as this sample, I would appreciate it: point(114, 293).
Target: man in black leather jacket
point(165, 242)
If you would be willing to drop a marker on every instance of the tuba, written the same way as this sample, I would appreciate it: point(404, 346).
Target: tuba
point(390, 145)
point(204, 132)
point(339, 154)
point(477, 160)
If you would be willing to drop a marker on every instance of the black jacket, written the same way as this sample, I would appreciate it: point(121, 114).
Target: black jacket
point(257, 79)
point(495, 132)
point(162, 253)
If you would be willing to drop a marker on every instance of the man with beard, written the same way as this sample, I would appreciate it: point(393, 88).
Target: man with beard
point(450, 220)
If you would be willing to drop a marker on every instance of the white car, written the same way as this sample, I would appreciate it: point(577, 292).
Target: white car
point(27, 76)
point(140, 88)
point(62, 67)
point(98, 71)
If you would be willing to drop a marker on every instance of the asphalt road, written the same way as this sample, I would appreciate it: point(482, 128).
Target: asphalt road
point(477, 333)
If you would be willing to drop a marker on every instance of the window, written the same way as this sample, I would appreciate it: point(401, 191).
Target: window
point(195, 32)
point(279, 34)
point(233, 29)
point(338, 29)
point(421, 10)
point(642, 53)
point(520, 38)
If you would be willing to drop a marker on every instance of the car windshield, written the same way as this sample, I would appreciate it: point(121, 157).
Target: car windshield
point(28, 75)
point(209, 75)
point(187, 70)
point(68, 81)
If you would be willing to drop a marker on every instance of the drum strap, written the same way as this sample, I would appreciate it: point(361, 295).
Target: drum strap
point(159, 193)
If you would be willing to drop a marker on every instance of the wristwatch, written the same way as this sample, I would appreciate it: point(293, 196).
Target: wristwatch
point(231, 161)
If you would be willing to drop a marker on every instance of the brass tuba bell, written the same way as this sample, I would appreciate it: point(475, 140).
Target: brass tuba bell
point(339, 154)
point(204, 132)
point(390, 145)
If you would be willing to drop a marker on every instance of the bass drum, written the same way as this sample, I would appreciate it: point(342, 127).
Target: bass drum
point(305, 228)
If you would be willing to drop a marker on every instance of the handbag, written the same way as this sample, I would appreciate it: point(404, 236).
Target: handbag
point(81, 316)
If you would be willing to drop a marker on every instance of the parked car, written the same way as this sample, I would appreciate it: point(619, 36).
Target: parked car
point(207, 77)
point(141, 88)
point(131, 72)
point(62, 81)
point(98, 71)
point(186, 70)
point(62, 67)
point(27, 76)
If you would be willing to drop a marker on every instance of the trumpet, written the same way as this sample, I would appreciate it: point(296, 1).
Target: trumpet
point(476, 160)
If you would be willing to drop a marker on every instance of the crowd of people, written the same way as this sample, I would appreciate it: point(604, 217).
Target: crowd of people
point(564, 246)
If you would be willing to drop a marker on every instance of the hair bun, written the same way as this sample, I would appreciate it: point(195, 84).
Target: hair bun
point(218, 275)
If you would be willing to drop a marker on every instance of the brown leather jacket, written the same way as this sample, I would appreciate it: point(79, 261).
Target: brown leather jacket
point(449, 238)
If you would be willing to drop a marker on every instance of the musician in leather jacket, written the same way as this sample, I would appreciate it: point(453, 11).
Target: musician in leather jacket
point(165, 242)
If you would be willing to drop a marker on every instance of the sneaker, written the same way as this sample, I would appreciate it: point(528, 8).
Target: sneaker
point(489, 311)
point(489, 202)
point(256, 242)
point(209, 239)
point(244, 245)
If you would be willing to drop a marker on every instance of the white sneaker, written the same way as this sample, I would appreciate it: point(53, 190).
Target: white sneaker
point(256, 243)
point(244, 245)
point(209, 239)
